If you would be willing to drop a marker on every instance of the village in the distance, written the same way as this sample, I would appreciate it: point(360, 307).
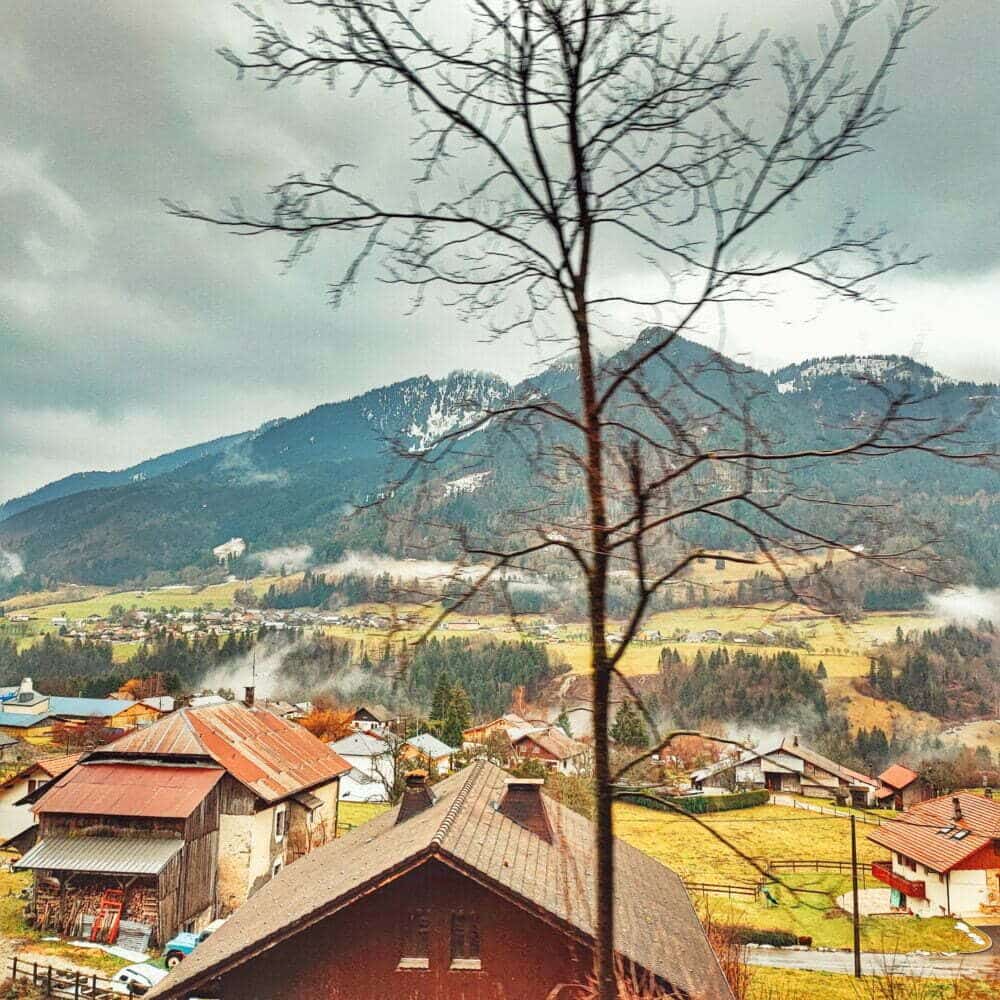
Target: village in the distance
point(227, 750)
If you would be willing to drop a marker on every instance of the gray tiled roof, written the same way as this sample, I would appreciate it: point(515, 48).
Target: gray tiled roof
point(656, 923)
point(112, 855)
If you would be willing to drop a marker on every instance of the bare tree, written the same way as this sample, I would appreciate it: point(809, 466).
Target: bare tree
point(560, 143)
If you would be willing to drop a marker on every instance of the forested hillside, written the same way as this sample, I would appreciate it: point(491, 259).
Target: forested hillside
point(299, 481)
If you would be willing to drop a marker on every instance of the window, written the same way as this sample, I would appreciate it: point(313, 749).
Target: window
point(280, 822)
point(416, 937)
point(33, 783)
point(276, 867)
point(465, 941)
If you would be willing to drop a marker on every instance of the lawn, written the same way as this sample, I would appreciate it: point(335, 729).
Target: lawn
point(807, 906)
point(762, 833)
point(352, 814)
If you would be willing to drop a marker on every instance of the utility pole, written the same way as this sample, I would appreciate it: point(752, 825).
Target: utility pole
point(856, 916)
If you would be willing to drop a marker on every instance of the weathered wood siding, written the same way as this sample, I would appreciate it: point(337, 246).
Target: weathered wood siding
point(355, 953)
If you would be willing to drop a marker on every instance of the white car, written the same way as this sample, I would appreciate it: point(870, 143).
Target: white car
point(137, 980)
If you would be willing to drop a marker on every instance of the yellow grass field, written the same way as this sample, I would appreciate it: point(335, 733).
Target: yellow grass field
point(864, 712)
point(763, 833)
point(217, 595)
point(699, 854)
point(788, 984)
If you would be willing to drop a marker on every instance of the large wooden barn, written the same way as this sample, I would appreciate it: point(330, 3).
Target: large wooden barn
point(479, 888)
point(176, 824)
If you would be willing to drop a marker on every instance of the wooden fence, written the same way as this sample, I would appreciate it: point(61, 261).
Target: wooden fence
point(785, 799)
point(795, 865)
point(748, 890)
point(63, 983)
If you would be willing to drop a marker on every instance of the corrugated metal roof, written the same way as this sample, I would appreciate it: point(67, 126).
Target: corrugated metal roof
point(656, 925)
point(155, 790)
point(431, 746)
point(88, 708)
point(106, 855)
point(18, 721)
point(360, 745)
point(272, 756)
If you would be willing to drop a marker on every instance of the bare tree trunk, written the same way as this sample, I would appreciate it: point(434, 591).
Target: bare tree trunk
point(601, 671)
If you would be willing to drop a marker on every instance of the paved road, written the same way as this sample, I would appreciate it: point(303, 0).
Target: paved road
point(976, 966)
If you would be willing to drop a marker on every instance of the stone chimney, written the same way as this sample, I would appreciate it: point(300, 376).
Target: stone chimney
point(248, 696)
point(26, 692)
point(988, 792)
point(417, 796)
point(957, 810)
point(522, 803)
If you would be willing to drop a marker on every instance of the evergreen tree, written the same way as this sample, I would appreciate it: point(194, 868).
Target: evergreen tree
point(629, 729)
point(821, 671)
point(457, 717)
point(442, 697)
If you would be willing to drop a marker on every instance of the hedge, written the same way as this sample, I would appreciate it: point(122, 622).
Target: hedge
point(778, 939)
point(701, 803)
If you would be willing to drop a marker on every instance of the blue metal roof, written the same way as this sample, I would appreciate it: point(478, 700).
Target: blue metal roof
point(89, 707)
point(18, 721)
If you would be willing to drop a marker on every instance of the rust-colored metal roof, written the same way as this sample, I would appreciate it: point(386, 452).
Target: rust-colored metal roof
point(270, 755)
point(897, 776)
point(115, 789)
point(917, 833)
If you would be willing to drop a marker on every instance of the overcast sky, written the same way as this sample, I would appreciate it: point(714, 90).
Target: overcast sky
point(125, 332)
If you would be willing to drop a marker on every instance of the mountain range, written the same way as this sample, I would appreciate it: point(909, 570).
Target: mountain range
point(293, 481)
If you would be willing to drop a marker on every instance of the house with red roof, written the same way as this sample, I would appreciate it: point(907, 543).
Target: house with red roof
point(18, 826)
point(176, 824)
point(899, 788)
point(944, 857)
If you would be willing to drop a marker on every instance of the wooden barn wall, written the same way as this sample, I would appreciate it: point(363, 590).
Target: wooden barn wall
point(236, 799)
point(523, 957)
point(169, 890)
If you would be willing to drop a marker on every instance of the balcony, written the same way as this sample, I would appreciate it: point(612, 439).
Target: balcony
point(882, 870)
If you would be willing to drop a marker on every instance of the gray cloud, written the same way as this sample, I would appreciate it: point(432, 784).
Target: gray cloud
point(125, 332)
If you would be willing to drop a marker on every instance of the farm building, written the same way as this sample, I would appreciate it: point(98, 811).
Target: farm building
point(18, 825)
point(945, 857)
point(555, 750)
point(899, 788)
point(24, 713)
point(185, 819)
point(428, 751)
point(478, 887)
point(785, 765)
point(32, 716)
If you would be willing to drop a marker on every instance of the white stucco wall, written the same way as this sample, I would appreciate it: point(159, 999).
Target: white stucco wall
point(966, 892)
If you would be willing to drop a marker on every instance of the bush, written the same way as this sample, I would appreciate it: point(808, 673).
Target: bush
point(698, 804)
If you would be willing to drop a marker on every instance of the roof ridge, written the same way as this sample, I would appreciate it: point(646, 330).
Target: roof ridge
point(457, 804)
